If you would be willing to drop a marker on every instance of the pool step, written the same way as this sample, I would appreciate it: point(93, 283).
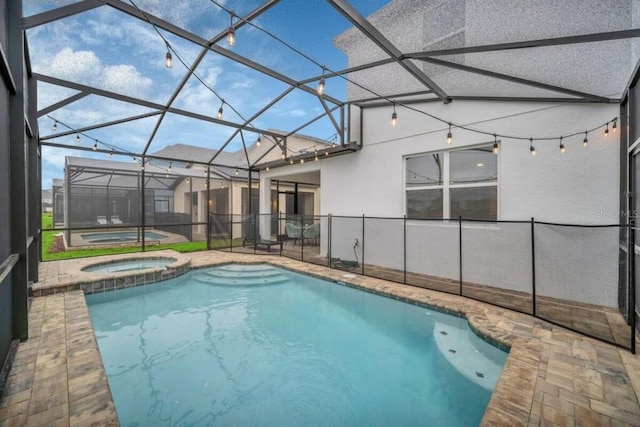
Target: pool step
point(241, 275)
point(256, 274)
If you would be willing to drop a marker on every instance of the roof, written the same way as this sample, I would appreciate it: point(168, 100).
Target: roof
point(601, 68)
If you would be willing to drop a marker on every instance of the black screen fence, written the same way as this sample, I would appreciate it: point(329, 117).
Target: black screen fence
point(575, 276)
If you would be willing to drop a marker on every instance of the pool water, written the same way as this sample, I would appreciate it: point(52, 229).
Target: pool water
point(277, 348)
point(139, 264)
point(120, 236)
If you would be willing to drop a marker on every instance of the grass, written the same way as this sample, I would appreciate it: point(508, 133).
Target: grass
point(48, 238)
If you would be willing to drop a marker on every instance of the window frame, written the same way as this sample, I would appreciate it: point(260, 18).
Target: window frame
point(446, 185)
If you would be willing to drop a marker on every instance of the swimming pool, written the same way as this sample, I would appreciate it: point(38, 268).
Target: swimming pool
point(279, 348)
point(136, 264)
point(120, 236)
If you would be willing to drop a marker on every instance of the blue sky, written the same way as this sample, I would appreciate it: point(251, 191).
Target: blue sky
point(110, 50)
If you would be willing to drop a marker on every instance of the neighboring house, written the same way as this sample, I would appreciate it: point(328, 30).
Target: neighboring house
point(103, 192)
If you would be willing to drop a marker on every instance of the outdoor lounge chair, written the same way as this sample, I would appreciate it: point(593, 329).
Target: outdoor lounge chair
point(251, 240)
point(102, 220)
point(116, 220)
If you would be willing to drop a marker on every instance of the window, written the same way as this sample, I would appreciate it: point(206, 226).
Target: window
point(452, 184)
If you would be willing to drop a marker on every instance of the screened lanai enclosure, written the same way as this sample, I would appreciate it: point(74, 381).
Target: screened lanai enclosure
point(334, 132)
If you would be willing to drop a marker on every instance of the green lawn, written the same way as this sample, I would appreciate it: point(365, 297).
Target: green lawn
point(48, 237)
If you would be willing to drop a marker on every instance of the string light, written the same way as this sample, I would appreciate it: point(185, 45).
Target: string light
point(258, 141)
point(290, 161)
point(301, 161)
point(267, 168)
point(284, 156)
point(606, 131)
point(531, 147)
point(188, 180)
point(231, 33)
point(55, 126)
point(169, 168)
point(219, 115)
point(382, 96)
point(111, 153)
point(495, 144)
point(236, 171)
point(394, 117)
point(562, 148)
point(449, 136)
point(320, 88)
point(77, 137)
point(614, 128)
point(95, 146)
point(168, 59)
point(585, 141)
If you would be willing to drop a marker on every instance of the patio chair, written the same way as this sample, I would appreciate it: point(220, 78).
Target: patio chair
point(116, 220)
point(312, 233)
point(102, 220)
point(294, 232)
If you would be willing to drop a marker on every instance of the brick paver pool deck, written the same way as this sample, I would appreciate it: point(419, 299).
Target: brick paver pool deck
point(552, 376)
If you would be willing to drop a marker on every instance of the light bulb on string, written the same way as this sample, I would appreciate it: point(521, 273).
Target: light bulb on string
point(55, 126)
point(495, 144)
point(231, 33)
point(321, 83)
point(236, 172)
point(585, 141)
point(394, 117)
point(301, 161)
point(283, 156)
point(562, 148)
point(188, 180)
point(258, 141)
point(449, 136)
point(290, 161)
point(606, 131)
point(614, 128)
point(95, 146)
point(168, 59)
point(267, 169)
point(531, 147)
point(77, 137)
point(111, 153)
point(220, 110)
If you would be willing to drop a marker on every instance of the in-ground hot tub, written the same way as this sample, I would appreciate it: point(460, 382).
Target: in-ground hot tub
point(128, 265)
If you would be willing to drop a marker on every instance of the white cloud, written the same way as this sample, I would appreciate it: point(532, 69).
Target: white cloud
point(296, 112)
point(80, 66)
point(124, 79)
point(85, 67)
point(195, 97)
